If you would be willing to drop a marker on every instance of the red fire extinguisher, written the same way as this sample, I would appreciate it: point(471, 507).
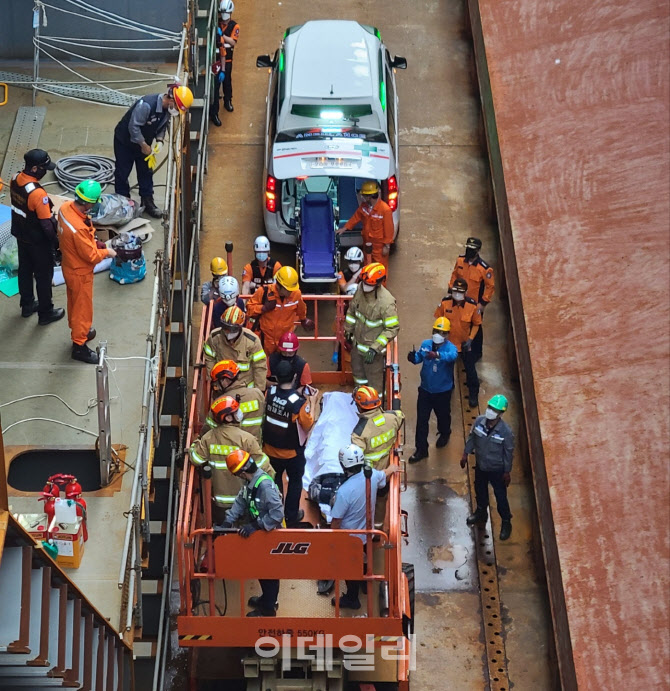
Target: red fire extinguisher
point(73, 491)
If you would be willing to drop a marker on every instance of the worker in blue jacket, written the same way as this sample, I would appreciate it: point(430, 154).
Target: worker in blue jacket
point(437, 355)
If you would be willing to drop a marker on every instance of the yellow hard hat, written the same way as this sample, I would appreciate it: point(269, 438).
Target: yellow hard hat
point(219, 267)
point(183, 98)
point(442, 324)
point(287, 277)
point(370, 187)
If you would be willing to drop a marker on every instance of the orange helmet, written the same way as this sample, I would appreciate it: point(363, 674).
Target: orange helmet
point(367, 398)
point(236, 460)
point(224, 369)
point(233, 316)
point(224, 405)
point(373, 274)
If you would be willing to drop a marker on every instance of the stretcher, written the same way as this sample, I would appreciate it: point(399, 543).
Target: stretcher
point(317, 255)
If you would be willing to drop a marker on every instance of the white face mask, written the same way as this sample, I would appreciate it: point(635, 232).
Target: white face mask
point(232, 335)
point(354, 268)
point(173, 111)
point(491, 414)
point(367, 288)
point(239, 415)
point(225, 16)
point(458, 296)
point(261, 256)
point(438, 338)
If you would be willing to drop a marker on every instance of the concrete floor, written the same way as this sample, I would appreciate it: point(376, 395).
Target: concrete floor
point(36, 359)
point(443, 200)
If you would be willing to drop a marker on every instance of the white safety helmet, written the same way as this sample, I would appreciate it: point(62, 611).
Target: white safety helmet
point(351, 456)
point(354, 254)
point(261, 244)
point(229, 290)
point(226, 6)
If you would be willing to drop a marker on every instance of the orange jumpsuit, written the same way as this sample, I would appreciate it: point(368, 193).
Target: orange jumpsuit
point(479, 276)
point(76, 236)
point(463, 319)
point(279, 320)
point(377, 227)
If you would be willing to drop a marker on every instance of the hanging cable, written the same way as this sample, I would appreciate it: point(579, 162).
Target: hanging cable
point(47, 419)
point(71, 170)
point(90, 404)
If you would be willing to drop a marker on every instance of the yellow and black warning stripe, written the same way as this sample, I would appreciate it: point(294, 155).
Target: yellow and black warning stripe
point(195, 637)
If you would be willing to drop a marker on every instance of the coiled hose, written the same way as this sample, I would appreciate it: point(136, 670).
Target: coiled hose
point(71, 170)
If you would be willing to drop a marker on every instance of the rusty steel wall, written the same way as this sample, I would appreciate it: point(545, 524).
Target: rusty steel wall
point(579, 140)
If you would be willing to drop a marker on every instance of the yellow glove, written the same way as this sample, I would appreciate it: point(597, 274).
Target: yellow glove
point(157, 147)
point(151, 161)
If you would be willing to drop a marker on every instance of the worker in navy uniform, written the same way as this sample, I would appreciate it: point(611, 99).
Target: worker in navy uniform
point(437, 356)
point(256, 507)
point(230, 36)
point(285, 409)
point(492, 441)
point(145, 121)
point(479, 276)
point(34, 227)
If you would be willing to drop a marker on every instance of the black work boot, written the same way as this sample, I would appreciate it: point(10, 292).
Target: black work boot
point(473, 399)
point(214, 117)
point(418, 456)
point(84, 354)
point(151, 208)
point(257, 601)
point(228, 105)
point(30, 309)
point(296, 521)
point(52, 316)
point(442, 441)
point(347, 603)
point(505, 530)
point(478, 517)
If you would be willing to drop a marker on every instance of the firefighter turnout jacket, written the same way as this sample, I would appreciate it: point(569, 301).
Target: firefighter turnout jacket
point(463, 317)
point(372, 318)
point(30, 206)
point(375, 433)
point(479, 276)
point(278, 320)
point(213, 448)
point(246, 350)
point(285, 409)
point(252, 405)
point(258, 501)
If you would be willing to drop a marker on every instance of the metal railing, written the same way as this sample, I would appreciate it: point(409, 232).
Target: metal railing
point(104, 420)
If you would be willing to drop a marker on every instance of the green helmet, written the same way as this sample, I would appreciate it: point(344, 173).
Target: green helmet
point(89, 191)
point(498, 402)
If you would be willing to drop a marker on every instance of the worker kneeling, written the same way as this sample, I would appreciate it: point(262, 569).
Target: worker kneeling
point(214, 447)
point(257, 506)
point(350, 509)
point(375, 433)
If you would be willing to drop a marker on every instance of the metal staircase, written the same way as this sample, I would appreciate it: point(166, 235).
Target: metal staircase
point(50, 634)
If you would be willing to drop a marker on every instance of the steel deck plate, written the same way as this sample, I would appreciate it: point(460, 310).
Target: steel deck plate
point(25, 136)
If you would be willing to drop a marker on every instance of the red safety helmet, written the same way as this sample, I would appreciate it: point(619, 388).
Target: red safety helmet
point(236, 460)
point(224, 369)
point(224, 405)
point(367, 398)
point(373, 274)
point(288, 343)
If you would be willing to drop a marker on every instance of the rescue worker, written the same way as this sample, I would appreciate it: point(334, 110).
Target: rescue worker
point(277, 307)
point(210, 289)
point(229, 296)
point(287, 351)
point(371, 322)
point(375, 433)
point(145, 121)
point(261, 270)
point(215, 445)
point(230, 36)
point(34, 227)
point(377, 219)
point(347, 283)
point(465, 320)
point(257, 507)
point(233, 342)
point(437, 356)
point(285, 410)
point(479, 277)
point(80, 253)
point(218, 71)
point(492, 441)
point(225, 381)
point(349, 510)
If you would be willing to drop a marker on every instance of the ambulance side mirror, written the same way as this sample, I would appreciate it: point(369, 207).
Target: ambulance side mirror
point(399, 63)
point(264, 61)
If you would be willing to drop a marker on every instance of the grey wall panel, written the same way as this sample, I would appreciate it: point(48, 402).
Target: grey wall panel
point(16, 26)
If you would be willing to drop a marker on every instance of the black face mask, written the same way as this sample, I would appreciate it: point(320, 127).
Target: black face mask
point(470, 253)
point(39, 173)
